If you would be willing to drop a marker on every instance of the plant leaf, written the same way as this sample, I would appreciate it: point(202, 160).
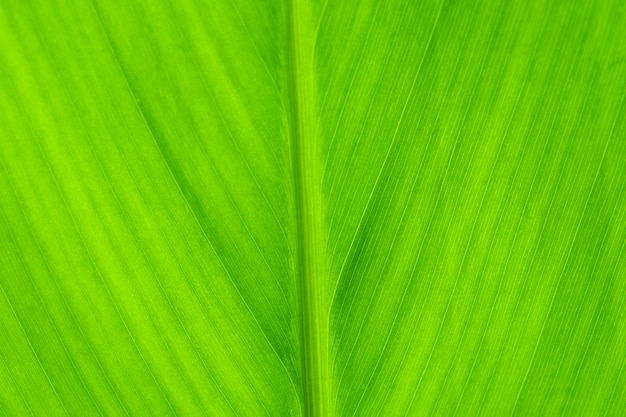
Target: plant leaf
point(268, 208)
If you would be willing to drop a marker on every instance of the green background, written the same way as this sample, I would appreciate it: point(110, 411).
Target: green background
point(319, 208)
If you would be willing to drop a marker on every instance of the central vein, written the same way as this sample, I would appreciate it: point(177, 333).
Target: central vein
point(305, 159)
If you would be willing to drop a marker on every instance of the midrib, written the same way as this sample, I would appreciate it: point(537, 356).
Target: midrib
point(310, 252)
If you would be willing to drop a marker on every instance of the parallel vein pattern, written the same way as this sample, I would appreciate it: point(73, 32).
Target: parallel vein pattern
point(312, 208)
point(468, 214)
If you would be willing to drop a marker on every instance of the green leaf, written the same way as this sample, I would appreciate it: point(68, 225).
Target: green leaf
point(312, 208)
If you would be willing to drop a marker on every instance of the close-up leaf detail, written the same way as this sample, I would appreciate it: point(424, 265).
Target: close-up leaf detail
point(315, 208)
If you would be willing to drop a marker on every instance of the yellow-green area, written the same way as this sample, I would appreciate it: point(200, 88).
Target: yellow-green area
point(316, 208)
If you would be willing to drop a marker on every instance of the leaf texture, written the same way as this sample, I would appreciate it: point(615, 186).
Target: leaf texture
point(303, 208)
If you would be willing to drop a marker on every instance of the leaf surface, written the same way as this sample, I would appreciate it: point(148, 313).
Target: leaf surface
point(302, 208)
